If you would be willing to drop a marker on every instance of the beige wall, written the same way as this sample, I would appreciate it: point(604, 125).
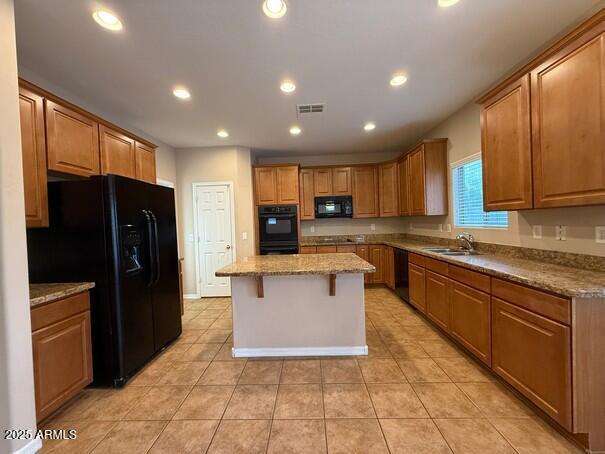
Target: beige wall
point(17, 409)
point(199, 165)
point(342, 226)
point(464, 133)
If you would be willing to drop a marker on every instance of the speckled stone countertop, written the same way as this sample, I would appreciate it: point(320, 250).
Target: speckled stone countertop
point(285, 265)
point(46, 293)
point(561, 279)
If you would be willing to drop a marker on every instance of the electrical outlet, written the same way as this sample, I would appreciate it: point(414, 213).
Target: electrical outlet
point(448, 227)
point(441, 227)
point(536, 231)
point(372, 227)
point(600, 234)
point(244, 235)
point(312, 229)
point(561, 233)
point(190, 238)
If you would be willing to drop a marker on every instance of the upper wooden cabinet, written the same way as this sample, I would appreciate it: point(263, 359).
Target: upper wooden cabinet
point(568, 118)
point(506, 149)
point(145, 163)
point(118, 153)
point(328, 181)
point(365, 192)
point(307, 201)
point(72, 141)
point(404, 187)
point(388, 190)
point(33, 147)
point(558, 158)
point(428, 178)
point(276, 185)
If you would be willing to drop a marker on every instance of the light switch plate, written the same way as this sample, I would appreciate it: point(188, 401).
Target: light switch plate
point(190, 238)
point(536, 232)
point(448, 227)
point(441, 227)
point(312, 229)
point(561, 233)
point(372, 227)
point(244, 235)
point(600, 234)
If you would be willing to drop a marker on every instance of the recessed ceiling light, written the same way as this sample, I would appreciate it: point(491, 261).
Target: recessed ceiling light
point(369, 126)
point(287, 86)
point(107, 20)
point(222, 134)
point(446, 3)
point(398, 79)
point(181, 92)
point(274, 8)
point(295, 130)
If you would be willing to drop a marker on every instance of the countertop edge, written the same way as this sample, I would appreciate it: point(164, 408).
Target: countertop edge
point(294, 273)
point(52, 296)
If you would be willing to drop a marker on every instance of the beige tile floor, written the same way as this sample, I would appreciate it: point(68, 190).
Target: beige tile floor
point(415, 393)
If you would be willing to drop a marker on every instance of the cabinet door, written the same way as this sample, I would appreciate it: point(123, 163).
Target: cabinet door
point(307, 202)
point(417, 186)
point(376, 259)
point(389, 267)
point(470, 319)
point(533, 354)
point(417, 287)
point(322, 181)
point(437, 301)
point(72, 141)
point(307, 250)
point(388, 190)
point(326, 249)
point(506, 149)
point(265, 184)
point(341, 181)
point(287, 185)
point(404, 188)
point(363, 252)
point(365, 192)
point(33, 149)
point(62, 362)
point(568, 118)
point(145, 163)
point(117, 153)
point(346, 249)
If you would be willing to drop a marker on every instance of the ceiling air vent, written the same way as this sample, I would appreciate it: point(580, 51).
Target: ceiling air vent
point(306, 110)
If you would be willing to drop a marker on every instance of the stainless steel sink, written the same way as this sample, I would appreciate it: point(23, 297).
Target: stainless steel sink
point(450, 251)
point(437, 249)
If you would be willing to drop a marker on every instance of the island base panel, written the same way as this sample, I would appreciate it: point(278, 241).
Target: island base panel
point(298, 317)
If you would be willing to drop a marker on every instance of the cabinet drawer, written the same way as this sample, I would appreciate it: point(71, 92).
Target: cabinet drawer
point(417, 287)
point(471, 278)
point(437, 266)
point(326, 249)
point(352, 249)
point(307, 250)
point(56, 311)
point(471, 319)
point(416, 259)
point(554, 307)
point(533, 354)
point(437, 301)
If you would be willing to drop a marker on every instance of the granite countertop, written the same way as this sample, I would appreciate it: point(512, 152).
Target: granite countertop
point(297, 264)
point(46, 293)
point(564, 280)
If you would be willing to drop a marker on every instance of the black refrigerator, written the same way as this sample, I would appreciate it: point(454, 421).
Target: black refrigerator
point(121, 234)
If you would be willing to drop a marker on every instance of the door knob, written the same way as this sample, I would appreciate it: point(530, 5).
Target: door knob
point(228, 246)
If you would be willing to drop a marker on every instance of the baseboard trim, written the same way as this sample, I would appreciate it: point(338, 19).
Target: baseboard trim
point(191, 296)
point(299, 351)
point(31, 448)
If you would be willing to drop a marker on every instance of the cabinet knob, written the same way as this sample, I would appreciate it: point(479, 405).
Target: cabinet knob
point(228, 246)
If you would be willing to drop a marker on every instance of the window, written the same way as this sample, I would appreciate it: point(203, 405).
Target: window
point(468, 198)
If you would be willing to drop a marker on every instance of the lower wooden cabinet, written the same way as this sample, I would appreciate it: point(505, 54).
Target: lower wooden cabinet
point(307, 250)
point(375, 257)
point(389, 267)
point(363, 252)
point(437, 301)
point(348, 248)
point(326, 249)
point(471, 319)
point(62, 351)
point(417, 287)
point(533, 354)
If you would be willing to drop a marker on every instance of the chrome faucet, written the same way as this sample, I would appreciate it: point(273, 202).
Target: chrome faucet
point(467, 240)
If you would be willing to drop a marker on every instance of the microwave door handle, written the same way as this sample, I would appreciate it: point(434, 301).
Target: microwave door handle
point(150, 254)
point(156, 247)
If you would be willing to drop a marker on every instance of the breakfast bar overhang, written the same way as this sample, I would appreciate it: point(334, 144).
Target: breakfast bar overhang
point(298, 305)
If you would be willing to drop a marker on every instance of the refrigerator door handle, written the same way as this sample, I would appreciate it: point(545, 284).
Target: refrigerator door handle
point(150, 248)
point(156, 247)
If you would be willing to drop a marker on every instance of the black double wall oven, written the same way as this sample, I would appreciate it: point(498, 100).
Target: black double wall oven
point(278, 229)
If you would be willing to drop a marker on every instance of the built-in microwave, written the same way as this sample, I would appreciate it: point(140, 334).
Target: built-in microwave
point(334, 207)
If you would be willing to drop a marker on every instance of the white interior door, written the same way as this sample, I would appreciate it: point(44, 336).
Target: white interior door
point(215, 232)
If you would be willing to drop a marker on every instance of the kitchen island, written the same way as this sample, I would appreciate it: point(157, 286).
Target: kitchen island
point(298, 305)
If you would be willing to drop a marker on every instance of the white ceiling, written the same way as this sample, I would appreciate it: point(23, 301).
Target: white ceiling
point(232, 58)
